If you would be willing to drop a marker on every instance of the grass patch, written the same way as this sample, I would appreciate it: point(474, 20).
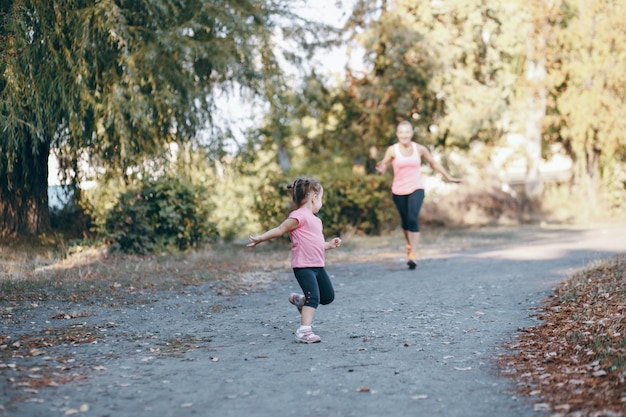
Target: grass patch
point(42, 274)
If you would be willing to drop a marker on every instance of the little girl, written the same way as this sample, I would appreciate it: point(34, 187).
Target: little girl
point(307, 253)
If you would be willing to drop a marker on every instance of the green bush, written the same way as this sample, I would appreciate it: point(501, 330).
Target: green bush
point(272, 202)
point(352, 203)
point(162, 214)
point(359, 203)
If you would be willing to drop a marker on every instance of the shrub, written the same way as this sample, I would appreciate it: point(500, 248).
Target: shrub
point(166, 213)
point(362, 204)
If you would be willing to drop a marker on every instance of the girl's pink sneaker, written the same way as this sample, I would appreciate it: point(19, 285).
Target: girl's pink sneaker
point(297, 300)
point(307, 336)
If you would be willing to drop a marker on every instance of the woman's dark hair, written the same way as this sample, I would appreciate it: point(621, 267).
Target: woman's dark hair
point(301, 188)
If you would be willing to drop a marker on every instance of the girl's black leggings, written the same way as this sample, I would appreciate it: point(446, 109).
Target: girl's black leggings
point(316, 286)
point(409, 207)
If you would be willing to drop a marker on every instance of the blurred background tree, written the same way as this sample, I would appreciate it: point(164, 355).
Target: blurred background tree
point(587, 102)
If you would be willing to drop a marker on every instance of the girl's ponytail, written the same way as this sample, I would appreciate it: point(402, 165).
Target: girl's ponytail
point(301, 188)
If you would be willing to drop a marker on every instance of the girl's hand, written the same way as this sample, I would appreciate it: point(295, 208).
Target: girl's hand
point(335, 243)
point(254, 240)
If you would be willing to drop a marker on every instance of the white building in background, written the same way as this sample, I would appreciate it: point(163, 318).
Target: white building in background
point(58, 193)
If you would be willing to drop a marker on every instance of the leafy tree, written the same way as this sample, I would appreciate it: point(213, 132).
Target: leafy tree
point(114, 82)
point(587, 104)
point(450, 68)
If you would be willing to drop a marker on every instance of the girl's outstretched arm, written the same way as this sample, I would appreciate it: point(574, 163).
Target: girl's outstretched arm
point(285, 227)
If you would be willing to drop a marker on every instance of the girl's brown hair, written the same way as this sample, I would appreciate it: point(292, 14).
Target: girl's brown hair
point(301, 188)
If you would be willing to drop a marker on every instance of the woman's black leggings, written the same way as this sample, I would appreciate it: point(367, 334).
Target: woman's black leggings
point(316, 285)
point(409, 207)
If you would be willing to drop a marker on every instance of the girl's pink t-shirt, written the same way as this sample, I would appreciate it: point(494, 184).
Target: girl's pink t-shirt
point(307, 240)
point(407, 174)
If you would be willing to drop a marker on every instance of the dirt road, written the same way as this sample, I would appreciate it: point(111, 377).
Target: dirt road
point(394, 343)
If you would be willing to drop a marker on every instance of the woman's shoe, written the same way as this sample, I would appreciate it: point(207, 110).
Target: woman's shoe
point(412, 260)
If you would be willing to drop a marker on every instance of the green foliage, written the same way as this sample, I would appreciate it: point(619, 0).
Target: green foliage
point(357, 203)
point(224, 190)
point(272, 202)
point(587, 83)
point(614, 179)
point(450, 69)
point(352, 203)
point(161, 214)
point(229, 186)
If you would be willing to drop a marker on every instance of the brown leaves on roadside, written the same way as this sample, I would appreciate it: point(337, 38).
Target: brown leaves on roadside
point(180, 345)
point(32, 345)
point(52, 371)
point(576, 359)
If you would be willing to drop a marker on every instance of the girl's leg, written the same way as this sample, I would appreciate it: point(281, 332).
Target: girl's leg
point(306, 318)
point(308, 280)
point(317, 288)
point(327, 292)
point(308, 283)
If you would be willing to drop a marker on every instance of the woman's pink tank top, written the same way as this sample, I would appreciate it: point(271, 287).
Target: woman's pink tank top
point(407, 174)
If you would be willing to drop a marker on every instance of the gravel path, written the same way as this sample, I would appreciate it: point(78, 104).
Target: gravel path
point(394, 343)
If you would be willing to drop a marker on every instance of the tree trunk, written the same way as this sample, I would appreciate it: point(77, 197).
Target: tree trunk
point(24, 193)
point(592, 170)
point(535, 101)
